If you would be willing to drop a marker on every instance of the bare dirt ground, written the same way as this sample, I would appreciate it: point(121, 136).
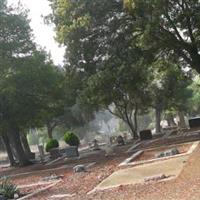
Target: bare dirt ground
point(71, 183)
point(185, 187)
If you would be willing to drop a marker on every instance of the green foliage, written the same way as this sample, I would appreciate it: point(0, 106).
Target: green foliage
point(32, 87)
point(194, 101)
point(170, 86)
point(110, 67)
point(33, 91)
point(126, 63)
point(8, 189)
point(129, 5)
point(52, 143)
point(171, 27)
point(16, 49)
point(71, 139)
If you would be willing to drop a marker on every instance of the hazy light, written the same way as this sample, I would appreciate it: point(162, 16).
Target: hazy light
point(44, 35)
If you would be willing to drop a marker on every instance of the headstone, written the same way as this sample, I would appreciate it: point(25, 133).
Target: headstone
point(171, 152)
point(95, 145)
point(71, 151)
point(111, 140)
point(41, 150)
point(146, 135)
point(194, 122)
point(109, 151)
point(79, 168)
point(54, 153)
point(125, 136)
point(31, 155)
point(174, 151)
point(120, 140)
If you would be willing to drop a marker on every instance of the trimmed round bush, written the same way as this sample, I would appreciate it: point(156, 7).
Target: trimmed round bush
point(52, 143)
point(71, 139)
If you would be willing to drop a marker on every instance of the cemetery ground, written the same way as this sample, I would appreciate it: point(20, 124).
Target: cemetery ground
point(133, 171)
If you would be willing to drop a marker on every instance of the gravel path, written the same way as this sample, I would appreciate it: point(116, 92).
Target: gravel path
point(185, 187)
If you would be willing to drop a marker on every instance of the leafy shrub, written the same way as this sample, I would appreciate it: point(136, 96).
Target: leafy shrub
point(8, 189)
point(52, 143)
point(71, 139)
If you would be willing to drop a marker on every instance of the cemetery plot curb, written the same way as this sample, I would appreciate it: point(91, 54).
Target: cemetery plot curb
point(39, 191)
point(59, 196)
point(133, 147)
point(128, 162)
point(36, 184)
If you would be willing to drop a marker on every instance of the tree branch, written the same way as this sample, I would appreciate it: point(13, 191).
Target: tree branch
point(174, 27)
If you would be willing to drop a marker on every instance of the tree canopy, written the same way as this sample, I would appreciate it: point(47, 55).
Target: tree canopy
point(172, 27)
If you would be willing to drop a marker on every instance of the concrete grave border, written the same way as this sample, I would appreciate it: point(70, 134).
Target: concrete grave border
point(59, 196)
point(138, 143)
point(142, 180)
point(128, 162)
point(36, 184)
point(70, 166)
point(132, 148)
point(39, 191)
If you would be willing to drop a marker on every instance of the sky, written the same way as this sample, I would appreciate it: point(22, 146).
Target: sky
point(44, 34)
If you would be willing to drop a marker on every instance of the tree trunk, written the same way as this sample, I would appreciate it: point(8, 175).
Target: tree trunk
point(158, 120)
point(170, 120)
point(8, 149)
point(182, 123)
point(25, 144)
point(132, 129)
point(14, 135)
point(129, 122)
point(2, 146)
point(136, 123)
point(127, 118)
point(49, 131)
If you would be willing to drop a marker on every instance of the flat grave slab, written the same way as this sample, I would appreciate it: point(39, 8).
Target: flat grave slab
point(137, 174)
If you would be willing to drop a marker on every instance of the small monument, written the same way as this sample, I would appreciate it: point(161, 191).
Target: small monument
point(109, 151)
point(79, 168)
point(125, 136)
point(95, 146)
point(111, 140)
point(146, 135)
point(120, 140)
point(41, 152)
point(71, 152)
point(194, 122)
point(171, 152)
point(54, 153)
